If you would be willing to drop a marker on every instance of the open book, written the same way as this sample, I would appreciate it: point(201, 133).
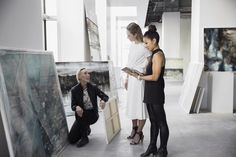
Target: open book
point(132, 71)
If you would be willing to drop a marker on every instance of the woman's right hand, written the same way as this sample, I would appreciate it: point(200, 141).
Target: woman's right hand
point(79, 111)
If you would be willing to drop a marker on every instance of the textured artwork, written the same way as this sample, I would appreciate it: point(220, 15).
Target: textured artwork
point(94, 42)
point(174, 69)
point(173, 74)
point(31, 102)
point(220, 49)
point(99, 75)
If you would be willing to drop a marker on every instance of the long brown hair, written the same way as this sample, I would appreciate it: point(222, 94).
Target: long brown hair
point(134, 29)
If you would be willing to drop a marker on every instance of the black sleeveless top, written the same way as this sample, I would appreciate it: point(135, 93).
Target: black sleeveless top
point(154, 90)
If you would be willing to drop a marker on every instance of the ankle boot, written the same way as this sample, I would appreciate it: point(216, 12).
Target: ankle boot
point(152, 149)
point(162, 152)
point(82, 142)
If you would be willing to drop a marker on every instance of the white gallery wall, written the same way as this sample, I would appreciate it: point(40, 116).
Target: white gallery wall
point(115, 13)
point(72, 31)
point(185, 41)
point(212, 14)
point(206, 14)
point(171, 34)
point(130, 9)
point(21, 24)
point(184, 37)
point(215, 17)
point(102, 13)
point(209, 14)
point(140, 4)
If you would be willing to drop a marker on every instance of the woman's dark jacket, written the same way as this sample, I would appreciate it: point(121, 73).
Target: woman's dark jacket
point(93, 92)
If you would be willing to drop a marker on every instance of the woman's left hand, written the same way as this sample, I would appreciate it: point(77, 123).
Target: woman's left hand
point(134, 75)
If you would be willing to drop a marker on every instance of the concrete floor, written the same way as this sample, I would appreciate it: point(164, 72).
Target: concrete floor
point(191, 135)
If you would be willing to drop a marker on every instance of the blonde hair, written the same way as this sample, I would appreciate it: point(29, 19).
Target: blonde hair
point(134, 29)
point(78, 73)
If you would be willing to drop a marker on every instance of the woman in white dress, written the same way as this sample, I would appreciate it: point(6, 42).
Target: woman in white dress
point(137, 59)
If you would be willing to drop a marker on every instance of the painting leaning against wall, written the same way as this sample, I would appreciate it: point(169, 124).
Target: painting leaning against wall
point(34, 114)
point(94, 43)
point(220, 49)
point(99, 72)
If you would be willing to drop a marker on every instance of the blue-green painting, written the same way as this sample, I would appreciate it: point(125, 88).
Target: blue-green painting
point(32, 103)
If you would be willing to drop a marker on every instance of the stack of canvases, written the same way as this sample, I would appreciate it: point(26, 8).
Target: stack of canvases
point(32, 114)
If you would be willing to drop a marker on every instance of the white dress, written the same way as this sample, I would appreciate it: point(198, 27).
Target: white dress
point(137, 59)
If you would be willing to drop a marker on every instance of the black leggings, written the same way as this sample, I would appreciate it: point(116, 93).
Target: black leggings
point(157, 118)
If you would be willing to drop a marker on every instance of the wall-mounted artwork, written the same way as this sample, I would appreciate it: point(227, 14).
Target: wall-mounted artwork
point(220, 49)
point(94, 42)
point(92, 30)
point(173, 74)
point(31, 104)
point(174, 69)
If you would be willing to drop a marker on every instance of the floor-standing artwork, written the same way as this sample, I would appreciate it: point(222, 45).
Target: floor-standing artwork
point(31, 104)
point(99, 74)
point(190, 85)
point(102, 75)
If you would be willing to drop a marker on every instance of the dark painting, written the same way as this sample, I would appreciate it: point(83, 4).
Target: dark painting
point(32, 102)
point(99, 75)
point(220, 49)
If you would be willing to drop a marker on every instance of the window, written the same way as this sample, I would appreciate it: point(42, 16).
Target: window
point(50, 27)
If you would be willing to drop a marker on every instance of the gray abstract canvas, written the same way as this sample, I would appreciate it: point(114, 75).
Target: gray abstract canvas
point(32, 103)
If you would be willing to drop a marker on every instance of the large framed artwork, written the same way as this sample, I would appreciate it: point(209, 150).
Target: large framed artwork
point(99, 74)
point(92, 30)
point(94, 43)
point(102, 75)
point(220, 49)
point(31, 106)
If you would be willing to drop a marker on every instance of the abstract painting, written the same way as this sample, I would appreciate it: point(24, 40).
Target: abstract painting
point(174, 69)
point(173, 74)
point(99, 75)
point(32, 104)
point(220, 49)
point(94, 42)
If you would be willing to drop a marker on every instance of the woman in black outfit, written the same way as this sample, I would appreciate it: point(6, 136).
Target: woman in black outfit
point(84, 103)
point(154, 95)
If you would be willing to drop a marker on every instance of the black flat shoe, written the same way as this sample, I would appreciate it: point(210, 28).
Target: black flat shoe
point(82, 142)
